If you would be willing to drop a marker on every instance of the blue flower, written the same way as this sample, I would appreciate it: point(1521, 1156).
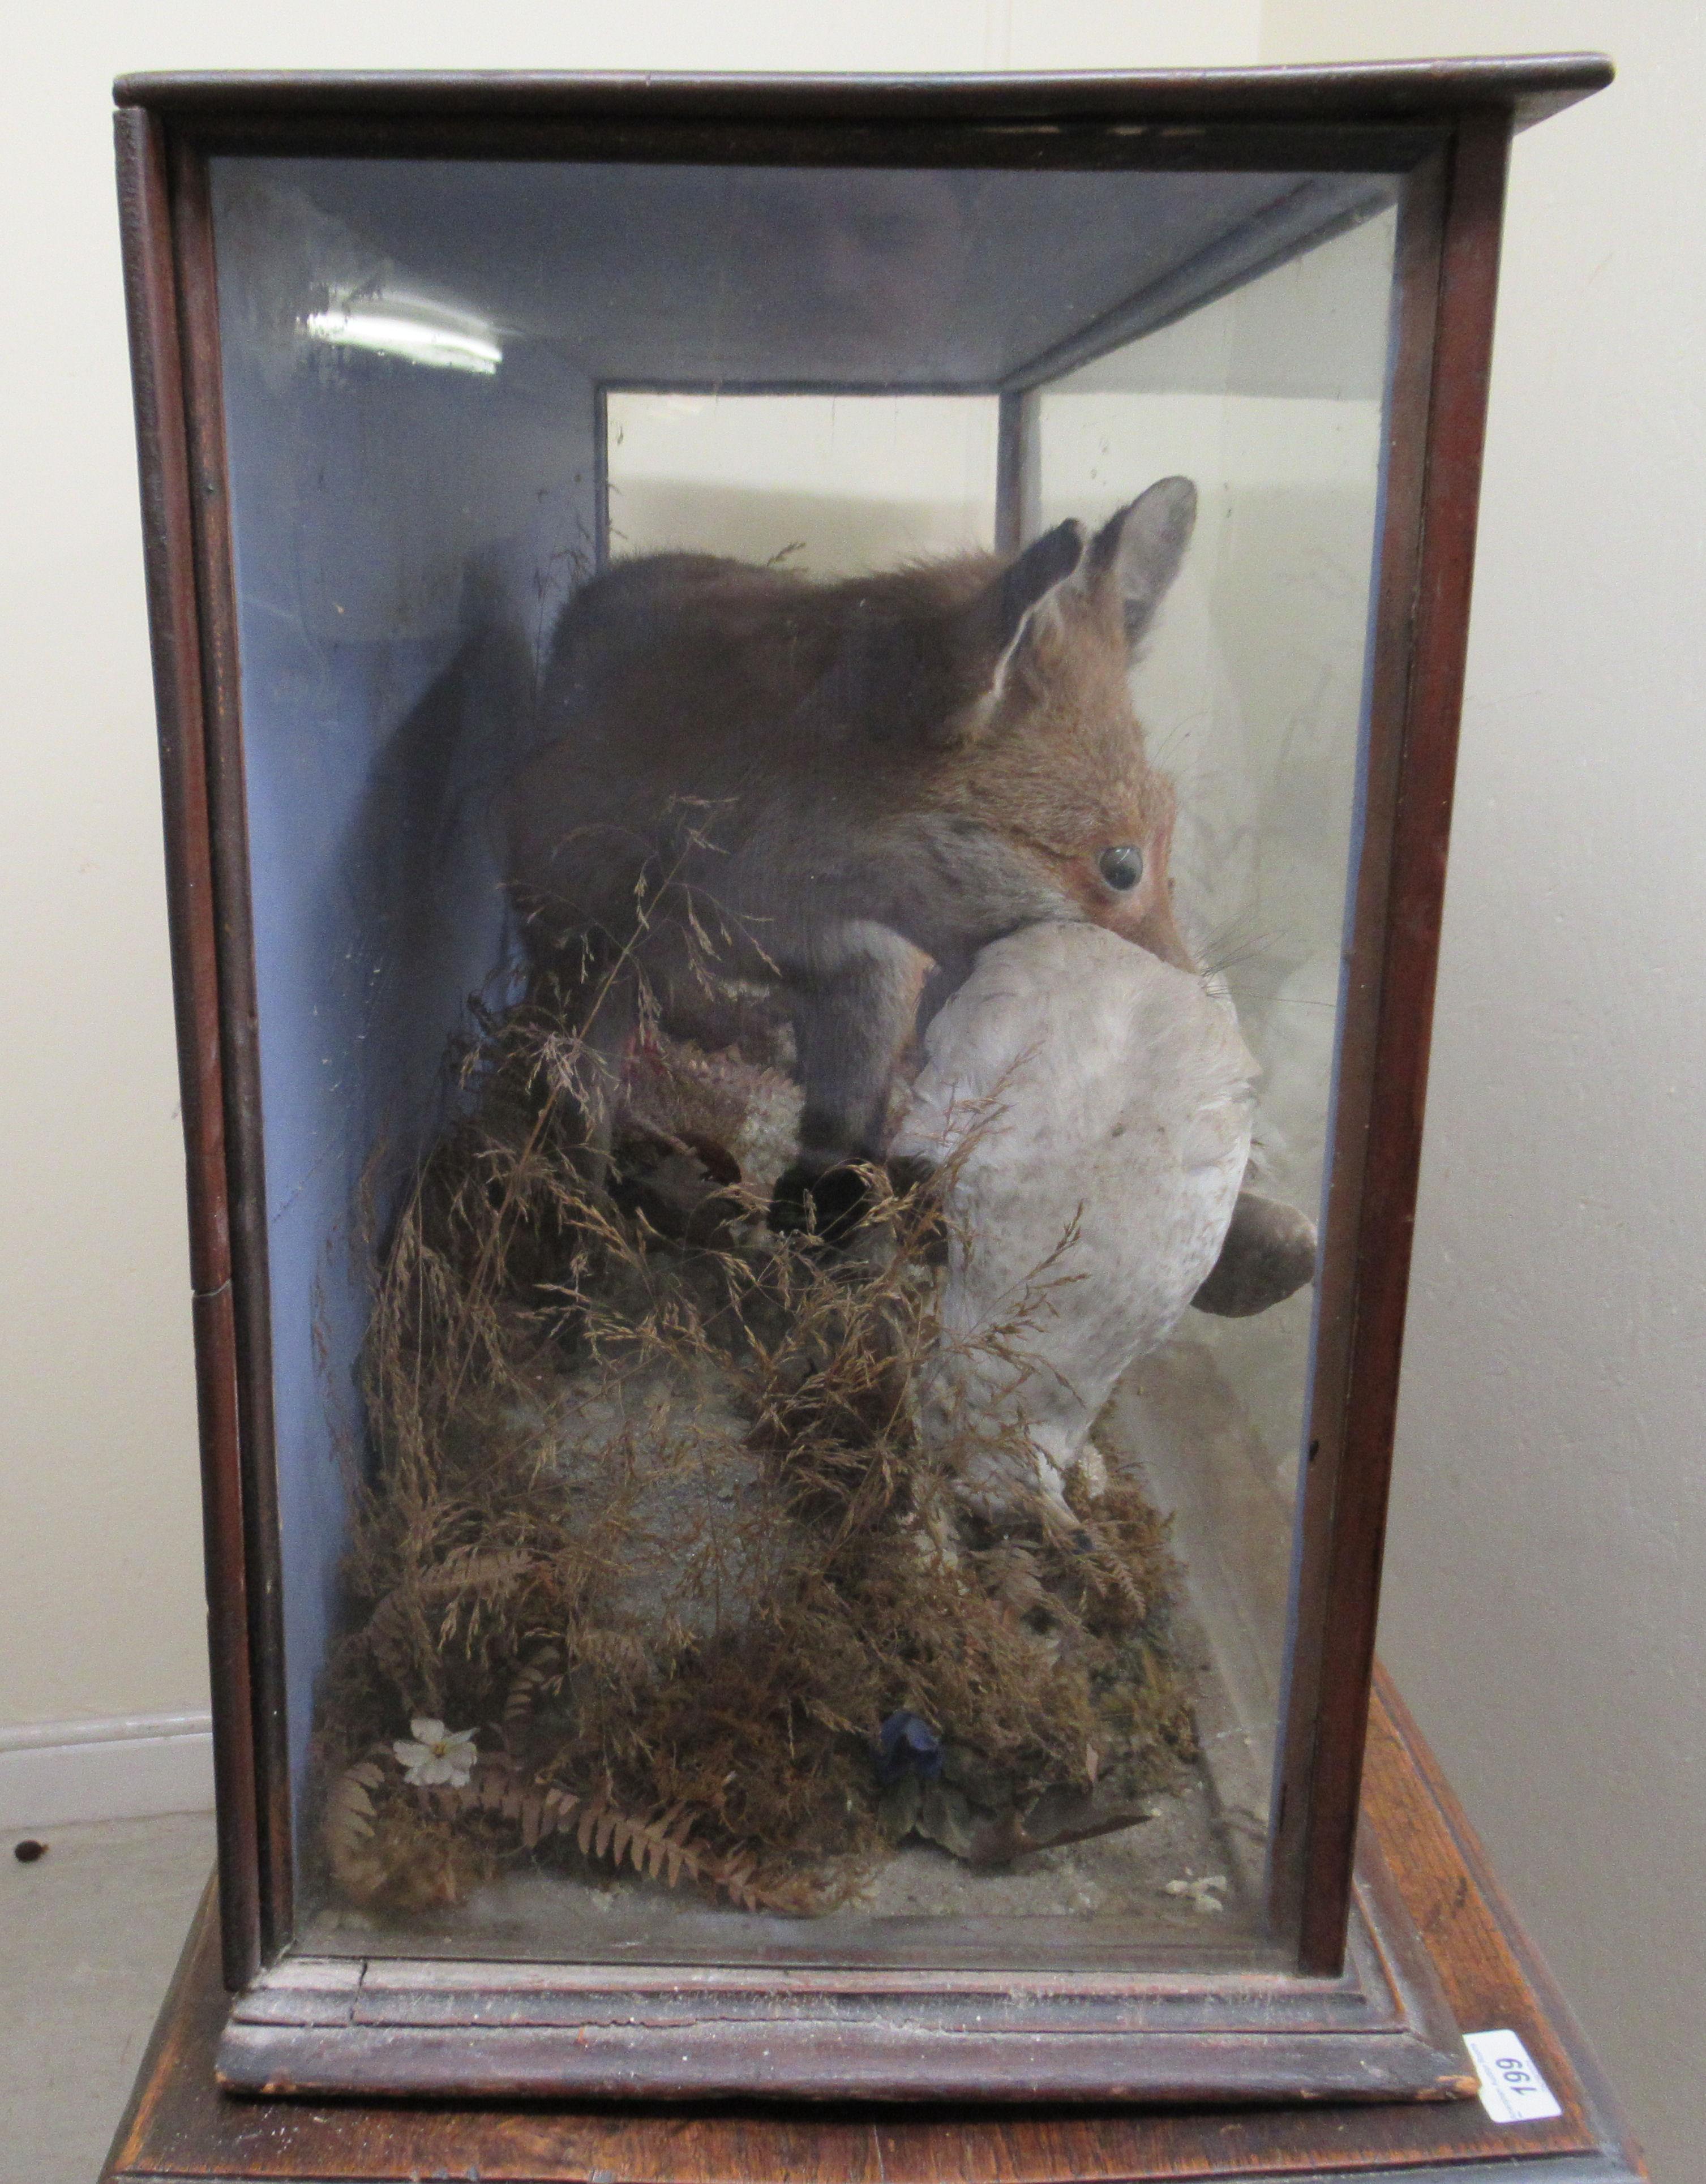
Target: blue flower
point(907, 1745)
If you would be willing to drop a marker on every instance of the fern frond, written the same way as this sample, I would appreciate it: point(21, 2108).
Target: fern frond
point(347, 1830)
point(522, 1698)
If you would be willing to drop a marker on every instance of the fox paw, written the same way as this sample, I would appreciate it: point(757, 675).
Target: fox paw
point(829, 1203)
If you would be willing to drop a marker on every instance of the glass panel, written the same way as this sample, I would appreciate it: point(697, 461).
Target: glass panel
point(1273, 399)
point(760, 1050)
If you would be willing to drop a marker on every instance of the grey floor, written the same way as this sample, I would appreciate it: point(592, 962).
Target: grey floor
point(88, 1938)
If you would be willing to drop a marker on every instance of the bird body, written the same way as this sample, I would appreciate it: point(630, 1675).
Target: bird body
point(1089, 1108)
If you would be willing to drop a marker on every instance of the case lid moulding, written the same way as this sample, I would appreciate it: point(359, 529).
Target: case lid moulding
point(1530, 86)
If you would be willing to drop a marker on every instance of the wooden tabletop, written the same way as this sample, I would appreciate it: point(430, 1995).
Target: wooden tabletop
point(179, 2126)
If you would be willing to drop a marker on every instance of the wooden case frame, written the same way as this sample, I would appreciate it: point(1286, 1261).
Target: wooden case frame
point(1349, 2006)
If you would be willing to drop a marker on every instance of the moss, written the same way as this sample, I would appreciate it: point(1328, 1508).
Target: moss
point(648, 1509)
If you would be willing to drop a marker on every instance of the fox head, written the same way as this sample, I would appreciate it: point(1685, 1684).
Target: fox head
point(1034, 797)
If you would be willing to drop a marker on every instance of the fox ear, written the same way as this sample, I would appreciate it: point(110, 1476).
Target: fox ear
point(1046, 564)
point(1139, 550)
point(1006, 613)
point(936, 681)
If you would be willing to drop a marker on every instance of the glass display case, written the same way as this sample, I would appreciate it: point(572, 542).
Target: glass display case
point(808, 731)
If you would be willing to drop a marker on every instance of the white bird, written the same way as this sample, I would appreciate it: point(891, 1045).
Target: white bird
point(1091, 1108)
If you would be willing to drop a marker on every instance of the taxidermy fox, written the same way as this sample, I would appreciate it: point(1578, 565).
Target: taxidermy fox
point(829, 787)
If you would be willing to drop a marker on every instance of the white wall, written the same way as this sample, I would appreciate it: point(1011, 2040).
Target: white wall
point(1547, 1565)
point(831, 484)
point(1547, 1558)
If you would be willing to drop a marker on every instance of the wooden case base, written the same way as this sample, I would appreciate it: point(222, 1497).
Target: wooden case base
point(181, 2126)
point(1381, 2030)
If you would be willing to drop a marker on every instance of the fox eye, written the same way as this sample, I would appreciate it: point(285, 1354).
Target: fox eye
point(1121, 867)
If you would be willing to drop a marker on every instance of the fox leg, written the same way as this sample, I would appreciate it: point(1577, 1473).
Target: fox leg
point(851, 1023)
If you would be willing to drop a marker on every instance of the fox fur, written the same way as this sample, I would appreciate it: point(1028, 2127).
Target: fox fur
point(829, 787)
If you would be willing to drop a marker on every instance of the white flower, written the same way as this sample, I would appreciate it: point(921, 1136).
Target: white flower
point(437, 1755)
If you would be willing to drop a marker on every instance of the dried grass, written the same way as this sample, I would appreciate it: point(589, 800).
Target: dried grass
point(649, 1510)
